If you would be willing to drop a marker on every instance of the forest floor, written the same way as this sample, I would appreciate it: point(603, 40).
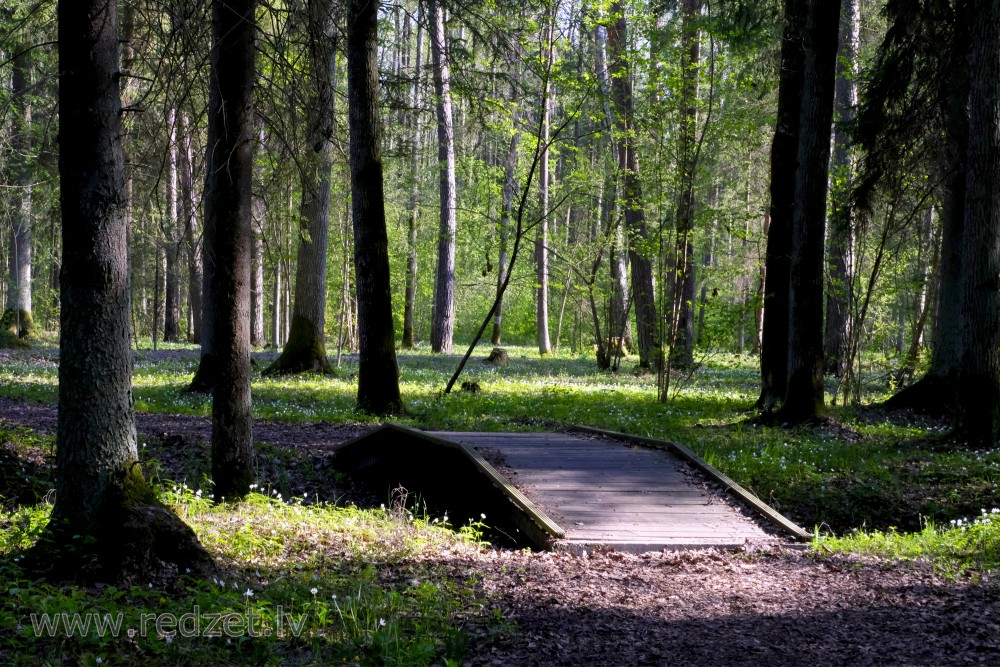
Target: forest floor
point(609, 608)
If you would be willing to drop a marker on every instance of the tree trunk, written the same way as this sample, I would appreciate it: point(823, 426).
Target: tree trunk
point(230, 117)
point(841, 240)
point(926, 276)
point(378, 374)
point(259, 212)
point(804, 391)
point(205, 375)
point(106, 524)
point(157, 294)
point(276, 310)
point(257, 290)
point(172, 242)
point(413, 207)
point(708, 261)
point(305, 349)
point(18, 306)
point(618, 319)
point(443, 325)
point(542, 235)
point(784, 153)
point(977, 417)
point(509, 193)
point(935, 393)
point(682, 354)
point(191, 236)
point(643, 294)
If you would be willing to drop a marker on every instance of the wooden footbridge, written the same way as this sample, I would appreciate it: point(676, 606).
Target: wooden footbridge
point(582, 489)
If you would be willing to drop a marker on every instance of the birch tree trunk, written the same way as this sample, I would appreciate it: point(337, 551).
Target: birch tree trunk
point(542, 235)
point(172, 239)
point(619, 324)
point(18, 306)
point(443, 324)
point(413, 206)
point(189, 212)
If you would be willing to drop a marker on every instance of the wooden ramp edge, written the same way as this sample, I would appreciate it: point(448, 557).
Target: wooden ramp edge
point(540, 526)
point(748, 498)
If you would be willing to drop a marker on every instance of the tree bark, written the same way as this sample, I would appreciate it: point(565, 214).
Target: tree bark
point(542, 235)
point(784, 155)
point(305, 349)
point(276, 292)
point(804, 391)
point(106, 523)
point(643, 294)
point(977, 417)
point(840, 243)
point(684, 279)
point(18, 306)
point(443, 324)
point(378, 374)
point(618, 319)
point(413, 206)
point(191, 236)
point(935, 393)
point(205, 375)
point(509, 193)
point(257, 289)
point(172, 239)
point(230, 117)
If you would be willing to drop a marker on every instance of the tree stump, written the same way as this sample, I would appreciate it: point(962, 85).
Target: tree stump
point(498, 357)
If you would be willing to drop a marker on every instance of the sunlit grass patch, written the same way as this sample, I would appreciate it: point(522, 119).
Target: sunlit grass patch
point(299, 582)
point(862, 469)
point(958, 547)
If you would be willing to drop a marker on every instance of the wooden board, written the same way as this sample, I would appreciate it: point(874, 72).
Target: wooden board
point(619, 495)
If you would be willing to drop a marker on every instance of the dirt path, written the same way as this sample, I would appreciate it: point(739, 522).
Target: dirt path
point(680, 608)
point(711, 608)
point(315, 437)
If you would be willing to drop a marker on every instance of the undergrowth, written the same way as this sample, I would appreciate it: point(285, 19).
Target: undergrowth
point(303, 583)
point(882, 475)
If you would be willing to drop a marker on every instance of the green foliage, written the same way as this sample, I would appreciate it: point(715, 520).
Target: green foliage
point(365, 584)
point(961, 547)
point(302, 582)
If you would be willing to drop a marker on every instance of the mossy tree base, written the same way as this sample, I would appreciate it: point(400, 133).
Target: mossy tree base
point(304, 352)
point(132, 538)
point(498, 357)
point(17, 322)
point(931, 395)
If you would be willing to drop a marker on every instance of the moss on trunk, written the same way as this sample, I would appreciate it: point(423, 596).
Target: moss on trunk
point(18, 322)
point(305, 351)
point(131, 538)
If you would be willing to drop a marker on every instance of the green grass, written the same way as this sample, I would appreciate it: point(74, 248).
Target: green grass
point(866, 484)
point(305, 583)
point(963, 547)
point(870, 472)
